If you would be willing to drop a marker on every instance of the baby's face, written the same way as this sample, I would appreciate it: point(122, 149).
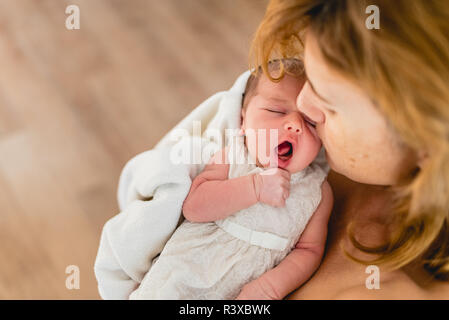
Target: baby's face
point(274, 107)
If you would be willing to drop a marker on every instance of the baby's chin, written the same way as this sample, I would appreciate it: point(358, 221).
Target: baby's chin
point(292, 165)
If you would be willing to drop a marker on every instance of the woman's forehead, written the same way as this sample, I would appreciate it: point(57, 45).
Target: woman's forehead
point(314, 63)
point(327, 82)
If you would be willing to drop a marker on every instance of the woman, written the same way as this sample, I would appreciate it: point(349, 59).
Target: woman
point(380, 102)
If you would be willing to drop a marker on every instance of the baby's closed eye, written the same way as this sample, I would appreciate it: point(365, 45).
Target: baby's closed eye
point(275, 110)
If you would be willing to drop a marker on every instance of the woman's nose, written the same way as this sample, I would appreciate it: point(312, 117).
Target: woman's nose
point(305, 104)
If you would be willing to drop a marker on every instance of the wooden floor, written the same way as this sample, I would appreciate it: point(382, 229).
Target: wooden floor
point(76, 105)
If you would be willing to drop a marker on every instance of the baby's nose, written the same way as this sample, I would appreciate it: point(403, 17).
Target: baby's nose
point(293, 127)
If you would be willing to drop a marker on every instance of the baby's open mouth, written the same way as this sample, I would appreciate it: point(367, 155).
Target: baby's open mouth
point(284, 150)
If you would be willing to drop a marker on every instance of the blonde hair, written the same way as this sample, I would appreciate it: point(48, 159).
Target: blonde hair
point(404, 67)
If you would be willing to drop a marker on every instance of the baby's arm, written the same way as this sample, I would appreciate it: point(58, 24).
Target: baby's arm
point(301, 263)
point(213, 196)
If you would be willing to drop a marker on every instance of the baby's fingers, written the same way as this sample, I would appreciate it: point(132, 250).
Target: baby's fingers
point(286, 194)
point(285, 174)
point(285, 184)
point(281, 203)
point(269, 172)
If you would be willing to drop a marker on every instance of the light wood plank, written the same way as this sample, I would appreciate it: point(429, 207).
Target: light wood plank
point(75, 106)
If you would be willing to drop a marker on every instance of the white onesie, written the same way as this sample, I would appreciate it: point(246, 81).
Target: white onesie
point(215, 260)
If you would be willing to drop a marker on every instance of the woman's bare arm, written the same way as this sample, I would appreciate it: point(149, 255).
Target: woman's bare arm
point(213, 196)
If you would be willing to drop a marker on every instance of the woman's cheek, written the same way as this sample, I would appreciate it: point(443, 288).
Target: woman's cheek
point(348, 148)
point(334, 141)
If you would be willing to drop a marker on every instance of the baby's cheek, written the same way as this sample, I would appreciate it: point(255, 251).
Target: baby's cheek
point(313, 141)
point(267, 141)
point(313, 146)
point(307, 150)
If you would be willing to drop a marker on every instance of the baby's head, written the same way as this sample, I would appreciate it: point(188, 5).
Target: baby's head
point(272, 105)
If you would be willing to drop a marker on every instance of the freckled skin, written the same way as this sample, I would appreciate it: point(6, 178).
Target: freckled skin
point(359, 144)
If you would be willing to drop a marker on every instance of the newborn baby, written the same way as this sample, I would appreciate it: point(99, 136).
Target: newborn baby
point(255, 225)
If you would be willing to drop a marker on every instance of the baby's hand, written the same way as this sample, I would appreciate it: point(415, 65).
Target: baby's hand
point(272, 186)
point(257, 290)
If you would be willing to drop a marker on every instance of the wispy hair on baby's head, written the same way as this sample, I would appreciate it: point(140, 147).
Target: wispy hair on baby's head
point(277, 69)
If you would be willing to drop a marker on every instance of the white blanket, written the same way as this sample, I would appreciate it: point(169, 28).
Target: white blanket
point(152, 190)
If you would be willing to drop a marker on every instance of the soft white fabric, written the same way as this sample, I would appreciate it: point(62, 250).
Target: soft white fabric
point(262, 239)
point(151, 193)
point(206, 261)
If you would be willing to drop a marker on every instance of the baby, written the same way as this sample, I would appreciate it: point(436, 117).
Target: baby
point(254, 229)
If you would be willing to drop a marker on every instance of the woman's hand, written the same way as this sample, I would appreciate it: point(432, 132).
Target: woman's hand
point(257, 290)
